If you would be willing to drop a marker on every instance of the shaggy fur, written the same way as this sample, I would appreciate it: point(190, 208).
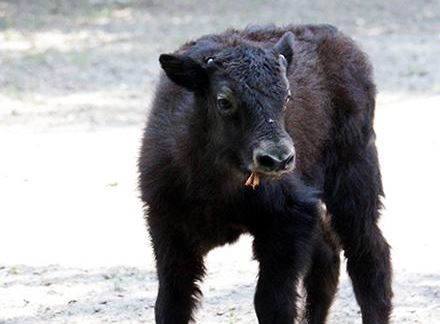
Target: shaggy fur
point(197, 153)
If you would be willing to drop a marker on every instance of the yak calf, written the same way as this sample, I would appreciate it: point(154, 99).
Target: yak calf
point(294, 107)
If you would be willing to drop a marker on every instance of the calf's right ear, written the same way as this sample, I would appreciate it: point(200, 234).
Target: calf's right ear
point(184, 71)
point(284, 47)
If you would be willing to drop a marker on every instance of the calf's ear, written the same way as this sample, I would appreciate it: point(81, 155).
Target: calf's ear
point(184, 71)
point(284, 47)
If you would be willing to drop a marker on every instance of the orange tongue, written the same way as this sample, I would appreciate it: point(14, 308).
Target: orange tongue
point(253, 180)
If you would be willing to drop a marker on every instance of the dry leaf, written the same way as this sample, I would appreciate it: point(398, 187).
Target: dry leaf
point(253, 180)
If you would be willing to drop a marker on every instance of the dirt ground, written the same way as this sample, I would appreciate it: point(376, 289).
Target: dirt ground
point(76, 80)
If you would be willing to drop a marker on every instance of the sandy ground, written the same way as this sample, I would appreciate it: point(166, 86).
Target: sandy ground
point(76, 79)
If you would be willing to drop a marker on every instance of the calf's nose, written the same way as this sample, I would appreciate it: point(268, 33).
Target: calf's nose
point(274, 160)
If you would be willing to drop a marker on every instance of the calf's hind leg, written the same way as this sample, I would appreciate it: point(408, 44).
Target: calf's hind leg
point(321, 280)
point(353, 200)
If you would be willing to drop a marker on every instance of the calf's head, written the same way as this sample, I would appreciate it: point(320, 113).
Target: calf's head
point(244, 90)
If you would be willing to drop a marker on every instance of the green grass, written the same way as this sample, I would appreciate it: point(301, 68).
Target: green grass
point(12, 91)
point(38, 58)
point(436, 88)
point(6, 23)
point(232, 316)
point(80, 59)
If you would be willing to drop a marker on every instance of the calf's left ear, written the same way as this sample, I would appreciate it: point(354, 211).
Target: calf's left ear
point(284, 47)
point(184, 71)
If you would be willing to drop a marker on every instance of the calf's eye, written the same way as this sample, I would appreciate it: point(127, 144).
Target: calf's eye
point(224, 105)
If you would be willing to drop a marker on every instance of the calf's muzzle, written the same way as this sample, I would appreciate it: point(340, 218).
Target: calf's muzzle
point(274, 158)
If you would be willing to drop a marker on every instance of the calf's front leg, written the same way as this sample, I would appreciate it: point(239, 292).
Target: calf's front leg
point(282, 245)
point(179, 268)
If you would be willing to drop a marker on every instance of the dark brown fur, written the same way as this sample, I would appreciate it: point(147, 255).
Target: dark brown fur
point(193, 184)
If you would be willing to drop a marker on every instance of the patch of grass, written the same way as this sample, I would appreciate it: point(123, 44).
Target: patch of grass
point(13, 271)
point(6, 23)
point(10, 34)
point(38, 58)
point(232, 316)
point(98, 12)
point(80, 59)
point(416, 71)
point(12, 91)
point(436, 88)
